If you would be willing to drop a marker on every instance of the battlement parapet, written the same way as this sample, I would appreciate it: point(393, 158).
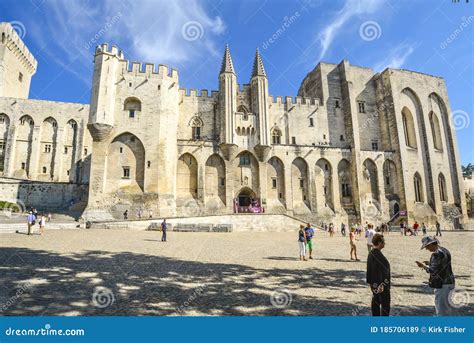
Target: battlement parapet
point(295, 101)
point(14, 42)
point(149, 70)
point(203, 94)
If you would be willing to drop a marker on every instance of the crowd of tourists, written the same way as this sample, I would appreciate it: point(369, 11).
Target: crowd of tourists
point(378, 276)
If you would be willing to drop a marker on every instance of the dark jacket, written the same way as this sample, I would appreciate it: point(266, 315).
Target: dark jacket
point(378, 270)
point(441, 272)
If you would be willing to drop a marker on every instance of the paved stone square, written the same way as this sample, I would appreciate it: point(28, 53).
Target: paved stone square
point(118, 272)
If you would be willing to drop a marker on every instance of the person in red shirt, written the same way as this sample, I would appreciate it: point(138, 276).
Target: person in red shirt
point(415, 228)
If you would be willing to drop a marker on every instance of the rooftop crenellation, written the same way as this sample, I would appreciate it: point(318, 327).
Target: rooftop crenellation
point(11, 39)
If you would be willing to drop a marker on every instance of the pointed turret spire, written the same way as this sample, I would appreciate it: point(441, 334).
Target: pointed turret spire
point(258, 69)
point(227, 65)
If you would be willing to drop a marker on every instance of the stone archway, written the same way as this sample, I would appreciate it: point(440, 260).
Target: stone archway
point(245, 196)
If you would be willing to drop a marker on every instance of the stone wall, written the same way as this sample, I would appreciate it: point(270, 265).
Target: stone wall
point(44, 195)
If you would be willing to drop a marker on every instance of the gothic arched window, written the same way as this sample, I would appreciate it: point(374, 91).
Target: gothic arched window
point(276, 136)
point(196, 125)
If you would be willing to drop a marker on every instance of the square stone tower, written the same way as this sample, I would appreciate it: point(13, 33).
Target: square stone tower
point(17, 64)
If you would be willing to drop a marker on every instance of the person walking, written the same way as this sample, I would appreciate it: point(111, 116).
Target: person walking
point(309, 232)
point(441, 274)
point(30, 219)
point(331, 230)
point(438, 229)
point(402, 229)
point(378, 277)
point(343, 229)
point(164, 228)
point(423, 229)
point(369, 234)
point(150, 214)
point(49, 217)
point(42, 224)
point(125, 215)
point(352, 239)
point(302, 243)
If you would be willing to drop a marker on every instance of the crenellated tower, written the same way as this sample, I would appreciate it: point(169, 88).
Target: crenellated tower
point(106, 71)
point(17, 64)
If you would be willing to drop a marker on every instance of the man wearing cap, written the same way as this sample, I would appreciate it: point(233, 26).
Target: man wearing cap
point(441, 274)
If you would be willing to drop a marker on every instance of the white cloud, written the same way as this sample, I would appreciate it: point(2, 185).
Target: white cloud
point(396, 57)
point(149, 31)
point(337, 22)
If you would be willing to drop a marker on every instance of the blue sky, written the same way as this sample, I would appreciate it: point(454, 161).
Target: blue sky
point(433, 37)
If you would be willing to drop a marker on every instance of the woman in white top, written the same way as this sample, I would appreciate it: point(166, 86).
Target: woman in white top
point(42, 223)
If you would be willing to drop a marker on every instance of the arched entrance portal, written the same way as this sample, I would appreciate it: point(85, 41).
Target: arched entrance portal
point(245, 196)
point(246, 201)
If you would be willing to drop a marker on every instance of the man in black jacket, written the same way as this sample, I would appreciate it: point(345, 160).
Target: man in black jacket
point(441, 274)
point(378, 277)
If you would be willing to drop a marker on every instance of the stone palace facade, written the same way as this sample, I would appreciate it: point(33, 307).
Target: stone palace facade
point(353, 145)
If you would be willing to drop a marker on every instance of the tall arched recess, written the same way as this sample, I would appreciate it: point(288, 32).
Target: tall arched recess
point(215, 179)
point(125, 165)
point(438, 103)
point(4, 127)
point(424, 152)
point(186, 178)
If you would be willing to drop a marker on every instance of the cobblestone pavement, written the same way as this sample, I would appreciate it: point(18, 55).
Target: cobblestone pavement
point(114, 272)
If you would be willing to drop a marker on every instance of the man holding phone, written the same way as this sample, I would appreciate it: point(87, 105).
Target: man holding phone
point(441, 274)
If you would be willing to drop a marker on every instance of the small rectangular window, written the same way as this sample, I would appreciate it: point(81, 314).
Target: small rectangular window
point(346, 192)
point(245, 160)
point(126, 173)
point(47, 148)
point(23, 165)
point(121, 150)
point(2, 146)
point(148, 164)
point(44, 170)
point(301, 183)
point(375, 146)
point(387, 180)
point(324, 136)
point(293, 140)
point(131, 113)
point(274, 183)
point(196, 132)
point(311, 123)
point(361, 105)
point(65, 149)
point(20, 77)
point(336, 104)
point(222, 181)
point(85, 151)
